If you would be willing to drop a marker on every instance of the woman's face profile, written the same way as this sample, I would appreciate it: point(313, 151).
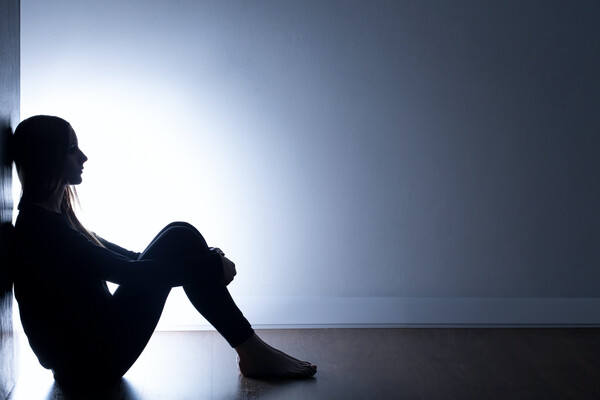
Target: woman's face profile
point(73, 167)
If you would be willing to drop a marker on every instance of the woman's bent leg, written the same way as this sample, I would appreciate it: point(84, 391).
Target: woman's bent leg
point(214, 302)
point(135, 312)
point(138, 309)
point(211, 298)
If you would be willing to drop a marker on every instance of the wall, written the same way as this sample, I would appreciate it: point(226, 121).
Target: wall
point(379, 162)
point(9, 117)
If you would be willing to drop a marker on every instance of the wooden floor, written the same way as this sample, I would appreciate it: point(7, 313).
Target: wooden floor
point(359, 364)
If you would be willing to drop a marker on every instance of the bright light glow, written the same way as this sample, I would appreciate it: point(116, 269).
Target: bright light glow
point(284, 131)
point(333, 148)
point(154, 160)
point(339, 148)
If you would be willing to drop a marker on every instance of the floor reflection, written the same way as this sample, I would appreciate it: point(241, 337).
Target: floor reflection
point(121, 391)
point(272, 388)
point(175, 365)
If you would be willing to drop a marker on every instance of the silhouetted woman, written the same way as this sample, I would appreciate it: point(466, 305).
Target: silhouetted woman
point(75, 326)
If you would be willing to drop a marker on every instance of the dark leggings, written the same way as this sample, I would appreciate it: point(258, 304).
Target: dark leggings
point(136, 309)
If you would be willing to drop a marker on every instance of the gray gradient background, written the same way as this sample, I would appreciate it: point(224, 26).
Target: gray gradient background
point(368, 149)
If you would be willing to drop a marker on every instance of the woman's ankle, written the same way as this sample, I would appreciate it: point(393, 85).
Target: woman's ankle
point(248, 347)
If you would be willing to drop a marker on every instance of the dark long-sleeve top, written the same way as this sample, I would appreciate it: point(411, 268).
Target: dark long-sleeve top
point(60, 281)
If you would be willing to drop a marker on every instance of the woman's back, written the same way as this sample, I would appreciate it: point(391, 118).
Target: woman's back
point(61, 304)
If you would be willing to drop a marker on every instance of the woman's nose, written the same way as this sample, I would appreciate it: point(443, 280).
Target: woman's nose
point(83, 157)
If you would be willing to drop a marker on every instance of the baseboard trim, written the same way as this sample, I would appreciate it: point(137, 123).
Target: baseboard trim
point(395, 312)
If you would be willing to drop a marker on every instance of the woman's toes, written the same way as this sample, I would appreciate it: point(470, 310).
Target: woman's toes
point(310, 371)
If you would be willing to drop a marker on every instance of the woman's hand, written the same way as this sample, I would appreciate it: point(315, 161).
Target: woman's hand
point(216, 250)
point(228, 270)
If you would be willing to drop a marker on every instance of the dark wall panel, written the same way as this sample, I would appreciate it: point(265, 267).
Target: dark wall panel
point(9, 117)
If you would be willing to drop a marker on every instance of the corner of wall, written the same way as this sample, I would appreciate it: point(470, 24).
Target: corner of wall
point(9, 117)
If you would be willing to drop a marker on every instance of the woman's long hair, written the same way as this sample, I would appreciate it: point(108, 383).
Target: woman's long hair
point(40, 146)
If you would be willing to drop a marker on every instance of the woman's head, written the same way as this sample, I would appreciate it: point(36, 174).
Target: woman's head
point(46, 156)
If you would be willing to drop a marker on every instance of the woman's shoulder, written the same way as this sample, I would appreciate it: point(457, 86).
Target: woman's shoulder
point(33, 217)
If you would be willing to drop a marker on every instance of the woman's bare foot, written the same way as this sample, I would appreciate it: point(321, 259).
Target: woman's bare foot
point(259, 360)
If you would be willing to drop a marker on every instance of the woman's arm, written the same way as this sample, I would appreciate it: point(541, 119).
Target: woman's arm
point(106, 264)
point(118, 249)
point(49, 243)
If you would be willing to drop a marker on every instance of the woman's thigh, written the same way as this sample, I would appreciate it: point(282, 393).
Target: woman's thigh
point(132, 316)
point(136, 308)
point(135, 312)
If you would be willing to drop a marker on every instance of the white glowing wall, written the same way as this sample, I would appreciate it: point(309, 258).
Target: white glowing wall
point(355, 152)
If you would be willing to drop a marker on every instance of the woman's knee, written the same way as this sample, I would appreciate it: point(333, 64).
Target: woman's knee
point(184, 235)
point(180, 224)
point(177, 239)
point(177, 225)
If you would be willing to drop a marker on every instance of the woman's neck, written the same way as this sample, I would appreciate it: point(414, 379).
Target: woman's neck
point(54, 201)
